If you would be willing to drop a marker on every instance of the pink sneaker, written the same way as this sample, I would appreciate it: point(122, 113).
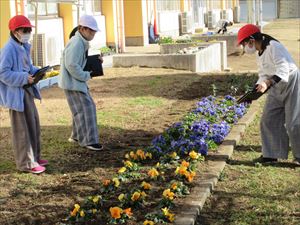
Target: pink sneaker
point(43, 162)
point(38, 169)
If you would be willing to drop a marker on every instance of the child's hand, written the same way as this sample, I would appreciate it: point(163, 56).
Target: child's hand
point(30, 79)
point(262, 87)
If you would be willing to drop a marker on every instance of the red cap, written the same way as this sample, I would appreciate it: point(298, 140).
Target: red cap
point(246, 31)
point(19, 21)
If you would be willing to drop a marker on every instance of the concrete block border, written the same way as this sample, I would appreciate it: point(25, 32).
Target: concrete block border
point(193, 203)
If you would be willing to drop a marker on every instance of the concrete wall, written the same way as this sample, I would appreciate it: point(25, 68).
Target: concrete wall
point(174, 48)
point(208, 59)
point(231, 41)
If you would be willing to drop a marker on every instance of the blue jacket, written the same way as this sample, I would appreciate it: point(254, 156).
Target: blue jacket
point(13, 76)
point(72, 77)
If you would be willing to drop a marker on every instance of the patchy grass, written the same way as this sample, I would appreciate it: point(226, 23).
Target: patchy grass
point(252, 193)
point(130, 114)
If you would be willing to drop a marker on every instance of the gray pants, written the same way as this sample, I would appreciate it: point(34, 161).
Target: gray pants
point(280, 122)
point(26, 134)
point(84, 120)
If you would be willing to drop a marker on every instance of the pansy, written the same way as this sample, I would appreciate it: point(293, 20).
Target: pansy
point(115, 212)
point(148, 222)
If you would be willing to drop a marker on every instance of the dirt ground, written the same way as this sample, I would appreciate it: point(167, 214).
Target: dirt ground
point(75, 172)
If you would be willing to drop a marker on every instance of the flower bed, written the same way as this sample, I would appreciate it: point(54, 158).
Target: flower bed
point(145, 189)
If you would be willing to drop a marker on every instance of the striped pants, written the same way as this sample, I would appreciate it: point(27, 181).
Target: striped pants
point(84, 124)
point(26, 134)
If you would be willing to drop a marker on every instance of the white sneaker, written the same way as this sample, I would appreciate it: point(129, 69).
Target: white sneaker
point(72, 140)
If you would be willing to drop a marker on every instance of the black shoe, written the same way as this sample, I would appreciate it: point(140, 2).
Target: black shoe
point(94, 147)
point(262, 159)
point(297, 161)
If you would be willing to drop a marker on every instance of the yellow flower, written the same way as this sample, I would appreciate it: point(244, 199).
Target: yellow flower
point(121, 197)
point(143, 194)
point(128, 212)
point(173, 155)
point(115, 212)
point(128, 164)
point(122, 170)
point(149, 155)
point(116, 181)
point(153, 173)
point(193, 155)
point(82, 214)
point(133, 155)
point(148, 222)
point(165, 211)
point(77, 206)
point(157, 164)
point(96, 199)
point(136, 195)
point(146, 185)
point(127, 156)
point(168, 194)
point(171, 217)
point(94, 211)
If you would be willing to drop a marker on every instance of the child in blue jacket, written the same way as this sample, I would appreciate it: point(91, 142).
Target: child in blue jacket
point(16, 70)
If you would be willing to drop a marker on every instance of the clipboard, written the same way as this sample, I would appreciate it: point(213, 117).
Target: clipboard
point(251, 95)
point(38, 75)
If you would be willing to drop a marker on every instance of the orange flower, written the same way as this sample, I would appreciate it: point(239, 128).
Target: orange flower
point(182, 170)
point(141, 154)
point(185, 163)
point(106, 182)
point(190, 176)
point(128, 212)
point(174, 186)
point(115, 212)
point(146, 185)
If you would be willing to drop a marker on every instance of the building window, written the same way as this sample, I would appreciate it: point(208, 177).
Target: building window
point(96, 6)
point(44, 9)
point(163, 5)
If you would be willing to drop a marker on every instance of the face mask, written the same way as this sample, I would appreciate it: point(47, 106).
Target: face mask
point(24, 38)
point(249, 50)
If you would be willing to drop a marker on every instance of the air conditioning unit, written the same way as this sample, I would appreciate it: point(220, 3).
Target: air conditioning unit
point(186, 23)
point(46, 50)
point(213, 16)
point(40, 60)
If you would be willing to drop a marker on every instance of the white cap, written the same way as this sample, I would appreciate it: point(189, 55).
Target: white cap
point(89, 21)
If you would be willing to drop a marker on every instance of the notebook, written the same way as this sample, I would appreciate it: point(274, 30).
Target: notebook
point(251, 95)
point(95, 65)
point(38, 75)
